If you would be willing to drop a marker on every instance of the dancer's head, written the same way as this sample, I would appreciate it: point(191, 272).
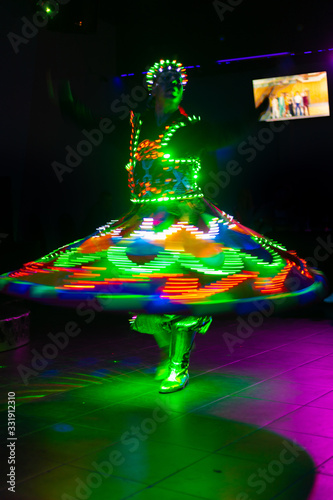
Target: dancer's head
point(166, 81)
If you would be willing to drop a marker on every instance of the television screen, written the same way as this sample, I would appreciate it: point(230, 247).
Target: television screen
point(293, 97)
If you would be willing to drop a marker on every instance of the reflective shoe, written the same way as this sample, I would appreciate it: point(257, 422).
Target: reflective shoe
point(176, 381)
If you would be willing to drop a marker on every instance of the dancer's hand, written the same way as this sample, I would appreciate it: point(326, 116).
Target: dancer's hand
point(65, 91)
point(59, 92)
point(51, 87)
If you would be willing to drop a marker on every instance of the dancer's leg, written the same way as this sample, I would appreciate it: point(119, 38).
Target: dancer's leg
point(162, 338)
point(157, 325)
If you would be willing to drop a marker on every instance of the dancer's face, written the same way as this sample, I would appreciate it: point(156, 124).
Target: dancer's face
point(168, 87)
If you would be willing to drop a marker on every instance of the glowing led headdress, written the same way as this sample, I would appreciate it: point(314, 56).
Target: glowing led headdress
point(161, 66)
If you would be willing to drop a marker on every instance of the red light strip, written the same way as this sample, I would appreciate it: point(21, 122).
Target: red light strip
point(276, 284)
point(217, 287)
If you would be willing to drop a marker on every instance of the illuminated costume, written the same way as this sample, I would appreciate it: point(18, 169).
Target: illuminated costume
point(175, 258)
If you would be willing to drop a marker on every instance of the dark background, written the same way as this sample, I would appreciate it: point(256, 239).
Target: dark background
point(285, 192)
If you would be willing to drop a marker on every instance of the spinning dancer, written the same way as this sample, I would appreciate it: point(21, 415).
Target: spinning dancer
point(174, 259)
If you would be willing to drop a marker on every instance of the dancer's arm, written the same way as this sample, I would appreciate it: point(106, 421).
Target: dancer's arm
point(74, 111)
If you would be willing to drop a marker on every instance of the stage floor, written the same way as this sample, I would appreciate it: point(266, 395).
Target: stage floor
point(255, 421)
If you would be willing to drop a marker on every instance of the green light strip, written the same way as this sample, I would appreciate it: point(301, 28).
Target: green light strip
point(168, 198)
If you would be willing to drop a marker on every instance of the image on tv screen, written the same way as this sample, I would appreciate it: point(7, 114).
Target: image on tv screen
point(293, 97)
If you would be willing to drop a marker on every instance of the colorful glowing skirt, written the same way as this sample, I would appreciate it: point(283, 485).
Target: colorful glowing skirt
point(178, 257)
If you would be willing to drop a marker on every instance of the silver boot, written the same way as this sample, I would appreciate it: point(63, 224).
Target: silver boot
point(180, 349)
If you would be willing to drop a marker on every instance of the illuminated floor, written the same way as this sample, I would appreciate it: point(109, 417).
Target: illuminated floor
point(92, 425)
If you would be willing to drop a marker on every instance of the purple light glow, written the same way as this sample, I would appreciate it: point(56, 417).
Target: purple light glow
point(14, 317)
point(253, 57)
point(228, 61)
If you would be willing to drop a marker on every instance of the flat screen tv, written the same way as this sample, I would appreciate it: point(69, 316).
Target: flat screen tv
point(293, 97)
